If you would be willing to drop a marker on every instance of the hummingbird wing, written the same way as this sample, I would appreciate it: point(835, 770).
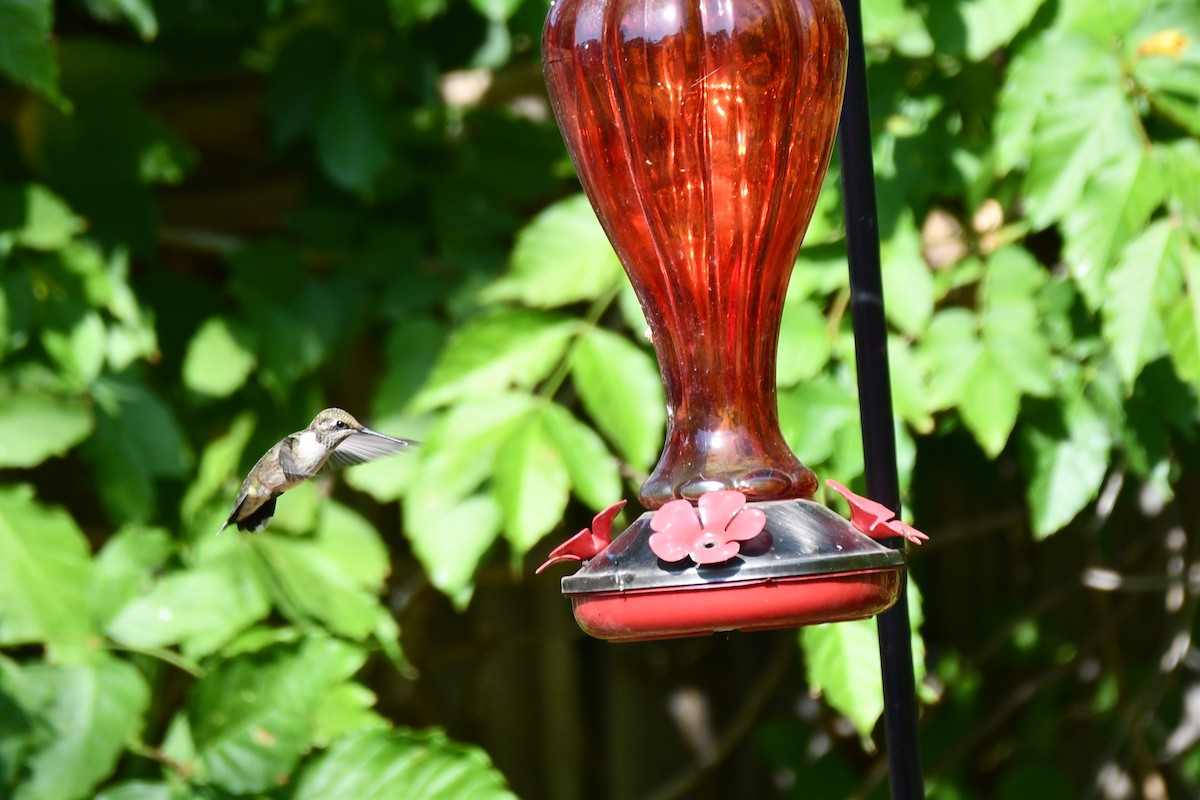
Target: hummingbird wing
point(367, 445)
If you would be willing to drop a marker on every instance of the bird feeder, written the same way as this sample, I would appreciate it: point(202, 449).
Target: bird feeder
point(701, 131)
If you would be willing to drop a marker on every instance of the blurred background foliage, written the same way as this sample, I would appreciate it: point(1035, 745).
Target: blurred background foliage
point(219, 216)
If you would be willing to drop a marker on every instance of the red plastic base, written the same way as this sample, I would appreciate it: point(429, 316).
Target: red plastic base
point(645, 614)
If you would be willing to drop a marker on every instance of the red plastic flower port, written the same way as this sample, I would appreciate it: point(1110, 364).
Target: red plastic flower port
point(589, 541)
point(711, 536)
point(875, 519)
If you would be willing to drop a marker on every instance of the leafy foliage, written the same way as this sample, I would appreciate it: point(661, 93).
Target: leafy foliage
point(217, 218)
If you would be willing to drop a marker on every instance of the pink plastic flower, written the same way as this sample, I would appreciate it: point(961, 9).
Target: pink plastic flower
point(588, 542)
point(710, 534)
point(875, 519)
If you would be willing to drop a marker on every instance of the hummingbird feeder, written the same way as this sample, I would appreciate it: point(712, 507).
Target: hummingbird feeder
point(701, 131)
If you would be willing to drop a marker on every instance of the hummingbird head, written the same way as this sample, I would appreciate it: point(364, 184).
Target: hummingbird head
point(333, 426)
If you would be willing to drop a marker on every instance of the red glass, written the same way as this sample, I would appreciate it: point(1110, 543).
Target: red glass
point(701, 130)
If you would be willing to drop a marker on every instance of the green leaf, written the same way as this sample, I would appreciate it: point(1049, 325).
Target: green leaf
point(200, 608)
point(44, 573)
point(352, 141)
point(990, 401)
point(136, 441)
point(252, 717)
point(125, 568)
point(79, 349)
point(990, 24)
point(805, 344)
point(139, 13)
point(561, 257)
point(811, 414)
point(460, 451)
point(1146, 277)
point(909, 394)
point(450, 541)
point(842, 662)
point(138, 790)
point(1065, 452)
point(450, 528)
point(1116, 203)
point(532, 484)
point(371, 765)
point(1183, 317)
point(218, 468)
point(1011, 319)
point(594, 473)
point(907, 279)
point(36, 427)
point(218, 359)
point(1100, 19)
point(621, 390)
point(890, 23)
point(411, 353)
point(507, 348)
point(92, 709)
point(496, 10)
point(26, 51)
point(947, 354)
point(35, 217)
point(345, 710)
point(1166, 52)
point(1065, 129)
point(333, 577)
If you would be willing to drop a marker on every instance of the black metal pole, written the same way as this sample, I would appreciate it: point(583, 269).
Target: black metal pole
point(875, 403)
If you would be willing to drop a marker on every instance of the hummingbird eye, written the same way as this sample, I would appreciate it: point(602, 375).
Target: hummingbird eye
point(341, 424)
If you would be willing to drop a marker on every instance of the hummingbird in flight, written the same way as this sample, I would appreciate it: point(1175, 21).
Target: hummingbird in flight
point(333, 436)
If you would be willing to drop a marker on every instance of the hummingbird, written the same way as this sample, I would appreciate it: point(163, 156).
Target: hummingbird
point(333, 436)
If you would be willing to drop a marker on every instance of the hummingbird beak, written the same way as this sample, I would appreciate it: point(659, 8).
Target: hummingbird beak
point(367, 445)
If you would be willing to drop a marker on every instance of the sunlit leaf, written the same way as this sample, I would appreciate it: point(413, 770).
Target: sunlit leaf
point(805, 344)
point(1066, 129)
point(561, 257)
point(451, 540)
point(890, 22)
point(125, 568)
point(92, 709)
point(988, 24)
point(622, 392)
point(218, 360)
point(1117, 202)
point(990, 402)
point(200, 608)
point(371, 765)
point(842, 663)
point(1066, 458)
point(44, 572)
point(218, 466)
point(1146, 276)
point(947, 352)
point(1166, 44)
point(532, 483)
point(595, 477)
point(252, 717)
point(333, 576)
point(35, 217)
point(34, 428)
point(907, 280)
point(139, 13)
point(504, 349)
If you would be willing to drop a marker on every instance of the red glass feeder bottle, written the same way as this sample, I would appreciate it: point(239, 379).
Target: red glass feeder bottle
point(701, 131)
